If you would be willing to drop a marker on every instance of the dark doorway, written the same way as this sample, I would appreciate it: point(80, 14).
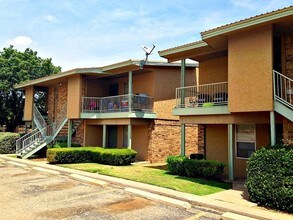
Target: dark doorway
point(112, 136)
point(113, 89)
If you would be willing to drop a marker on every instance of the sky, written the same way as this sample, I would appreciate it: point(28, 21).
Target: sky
point(92, 33)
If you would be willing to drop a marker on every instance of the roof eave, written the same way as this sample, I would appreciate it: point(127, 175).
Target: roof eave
point(182, 48)
point(247, 23)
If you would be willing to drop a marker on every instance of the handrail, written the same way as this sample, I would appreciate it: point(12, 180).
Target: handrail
point(283, 89)
point(212, 94)
point(38, 116)
point(44, 133)
point(19, 141)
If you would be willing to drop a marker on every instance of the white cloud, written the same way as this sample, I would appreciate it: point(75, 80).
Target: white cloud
point(51, 18)
point(20, 42)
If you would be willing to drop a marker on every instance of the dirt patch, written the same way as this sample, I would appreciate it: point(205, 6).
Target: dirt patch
point(60, 186)
point(64, 212)
point(126, 205)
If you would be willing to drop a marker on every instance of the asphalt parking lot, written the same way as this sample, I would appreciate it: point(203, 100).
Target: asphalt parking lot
point(30, 194)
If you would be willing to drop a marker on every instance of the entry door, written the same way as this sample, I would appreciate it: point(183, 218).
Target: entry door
point(112, 136)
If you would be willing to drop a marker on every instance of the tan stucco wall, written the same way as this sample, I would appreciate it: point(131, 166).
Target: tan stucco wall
point(29, 103)
point(217, 144)
point(140, 141)
point(250, 70)
point(166, 82)
point(74, 97)
point(213, 70)
point(93, 135)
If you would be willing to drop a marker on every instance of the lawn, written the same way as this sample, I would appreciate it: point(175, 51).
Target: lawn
point(154, 175)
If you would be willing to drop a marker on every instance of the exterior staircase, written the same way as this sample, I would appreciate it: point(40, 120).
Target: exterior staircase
point(283, 95)
point(63, 134)
point(41, 136)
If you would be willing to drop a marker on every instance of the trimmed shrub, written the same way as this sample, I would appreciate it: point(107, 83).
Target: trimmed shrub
point(270, 177)
point(117, 157)
point(7, 142)
point(208, 169)
point(183, 166)
point(175, 165)
point(63, 145)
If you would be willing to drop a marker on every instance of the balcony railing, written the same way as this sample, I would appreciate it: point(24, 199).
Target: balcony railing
point(118, 103)
point(208, 95)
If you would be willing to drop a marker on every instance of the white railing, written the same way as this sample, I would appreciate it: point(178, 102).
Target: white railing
point(118, 103)
point(207, 95)
point(38, 116)
point(283, 89)
point(19, 142)
point(39, 137)
point(43, 135)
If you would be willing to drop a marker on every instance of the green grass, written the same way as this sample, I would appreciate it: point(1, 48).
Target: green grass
point(153, 176)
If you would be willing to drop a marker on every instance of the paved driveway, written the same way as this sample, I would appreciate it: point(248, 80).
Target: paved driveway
point(31, 194)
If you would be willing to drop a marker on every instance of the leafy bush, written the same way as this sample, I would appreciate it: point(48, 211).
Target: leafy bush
point(175, 165)
point(115, 157)
point(208, 169)
point(270, 177)
point(7, 142)
point(183, 166)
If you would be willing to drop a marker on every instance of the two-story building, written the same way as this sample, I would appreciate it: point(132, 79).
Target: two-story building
point(125, 104)
point(244, 95)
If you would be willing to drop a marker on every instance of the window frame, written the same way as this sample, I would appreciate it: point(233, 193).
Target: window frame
point(239, 141)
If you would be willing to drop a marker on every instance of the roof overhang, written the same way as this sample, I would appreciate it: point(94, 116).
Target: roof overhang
point(197, 51)
point(58, 77)
point(270, 17)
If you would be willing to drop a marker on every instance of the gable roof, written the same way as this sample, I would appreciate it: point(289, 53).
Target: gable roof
point(248, 22)
point(178, 52)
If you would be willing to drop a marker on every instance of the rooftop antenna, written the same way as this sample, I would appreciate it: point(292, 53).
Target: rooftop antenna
point(148, 52)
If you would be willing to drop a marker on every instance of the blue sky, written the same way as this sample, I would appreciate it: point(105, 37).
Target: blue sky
point(87, 33)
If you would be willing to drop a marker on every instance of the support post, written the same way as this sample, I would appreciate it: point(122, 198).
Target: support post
point(182, 82)
point(230, 152)
point(129, 136)
point(182, 147)
point(273, 128)
point(104, 135)
point(69, 133)
point(130, 91)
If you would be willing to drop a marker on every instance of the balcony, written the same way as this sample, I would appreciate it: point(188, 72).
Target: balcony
point(121, 106)
point(202, 100)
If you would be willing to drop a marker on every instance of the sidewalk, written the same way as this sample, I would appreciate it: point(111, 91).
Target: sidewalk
point(227, 201)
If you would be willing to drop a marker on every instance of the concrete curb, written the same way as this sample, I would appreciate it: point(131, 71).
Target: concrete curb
point(253, 212)
point(46, 170)
point(160, 198)
point(233, 216)
point(89, 180)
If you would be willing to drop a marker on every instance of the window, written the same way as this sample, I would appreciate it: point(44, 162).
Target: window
point(125, 88)
point(245, 140)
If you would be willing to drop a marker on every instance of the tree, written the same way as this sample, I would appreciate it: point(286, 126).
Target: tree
point(17, 67)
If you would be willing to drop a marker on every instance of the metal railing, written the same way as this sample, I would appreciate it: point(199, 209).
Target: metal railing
point(19, 142)
point(43, 135)
point(39, 137)
point(283, 89)
point(39, 118)
point(214, 94)
point(118, 103)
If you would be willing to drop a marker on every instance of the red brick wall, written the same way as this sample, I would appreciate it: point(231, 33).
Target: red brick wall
point(164, 136)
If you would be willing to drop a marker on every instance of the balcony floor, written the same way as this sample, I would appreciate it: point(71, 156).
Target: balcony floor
point(213, 110)
point(134, 114)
